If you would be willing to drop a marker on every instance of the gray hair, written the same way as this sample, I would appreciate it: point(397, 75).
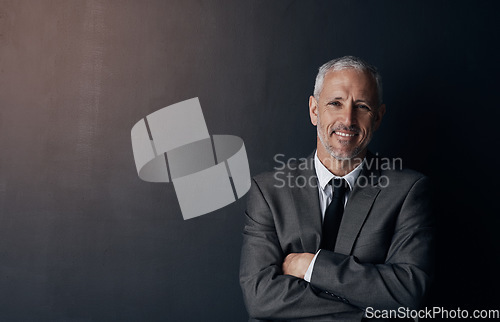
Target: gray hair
point(345, 63)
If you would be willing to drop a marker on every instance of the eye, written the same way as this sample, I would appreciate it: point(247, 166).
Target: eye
point(364, 107)
point(334, 103)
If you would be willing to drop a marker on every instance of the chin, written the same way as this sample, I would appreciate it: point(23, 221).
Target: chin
point(346, 155)
point(343, 157)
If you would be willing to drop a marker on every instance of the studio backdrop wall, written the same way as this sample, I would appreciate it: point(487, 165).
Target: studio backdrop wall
point(83, 238)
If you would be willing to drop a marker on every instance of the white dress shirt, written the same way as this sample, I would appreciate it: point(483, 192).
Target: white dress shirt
point(324, 177)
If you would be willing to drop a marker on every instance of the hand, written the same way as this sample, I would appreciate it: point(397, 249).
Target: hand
point(296, 264)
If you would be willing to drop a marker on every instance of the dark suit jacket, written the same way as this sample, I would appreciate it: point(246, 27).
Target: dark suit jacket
point(382, 258)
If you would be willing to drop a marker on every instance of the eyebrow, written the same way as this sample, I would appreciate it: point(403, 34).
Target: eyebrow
point(356, 101)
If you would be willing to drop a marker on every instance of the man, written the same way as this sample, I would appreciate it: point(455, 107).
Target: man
point(360, 238)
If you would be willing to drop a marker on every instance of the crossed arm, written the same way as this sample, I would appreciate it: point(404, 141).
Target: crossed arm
point(341, 285)
point(268, 292)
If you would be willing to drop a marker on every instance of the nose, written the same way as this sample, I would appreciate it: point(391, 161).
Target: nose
point(348, 116)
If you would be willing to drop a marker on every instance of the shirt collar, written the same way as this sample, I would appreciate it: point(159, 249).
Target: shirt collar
point(325, 176)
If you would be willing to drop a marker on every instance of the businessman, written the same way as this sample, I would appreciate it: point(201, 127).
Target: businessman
point(356, 233)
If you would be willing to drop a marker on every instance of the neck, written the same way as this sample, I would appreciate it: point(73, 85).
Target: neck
point(339, 167)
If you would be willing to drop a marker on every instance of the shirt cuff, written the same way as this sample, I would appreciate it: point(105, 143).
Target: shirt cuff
point(309, 272)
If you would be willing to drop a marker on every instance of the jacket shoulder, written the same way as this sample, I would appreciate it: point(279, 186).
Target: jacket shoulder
point(403, 176)
point(295, 172)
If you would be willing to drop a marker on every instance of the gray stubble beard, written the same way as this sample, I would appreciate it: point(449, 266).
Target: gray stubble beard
point(323, 139)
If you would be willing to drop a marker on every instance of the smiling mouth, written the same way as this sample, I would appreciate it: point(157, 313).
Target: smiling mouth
point(344, 134)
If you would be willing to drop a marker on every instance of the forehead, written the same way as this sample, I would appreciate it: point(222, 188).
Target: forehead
point(349, 82)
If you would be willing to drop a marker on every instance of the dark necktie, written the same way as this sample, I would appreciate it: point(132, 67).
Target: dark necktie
point(333, 214)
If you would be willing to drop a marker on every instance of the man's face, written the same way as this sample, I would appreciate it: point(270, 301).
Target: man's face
point(346, 113)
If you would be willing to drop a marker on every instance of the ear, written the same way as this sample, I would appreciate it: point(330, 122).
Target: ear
point(379, 115)
point(313, 110)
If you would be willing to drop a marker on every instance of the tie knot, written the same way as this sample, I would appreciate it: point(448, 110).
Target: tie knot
point(339, 187)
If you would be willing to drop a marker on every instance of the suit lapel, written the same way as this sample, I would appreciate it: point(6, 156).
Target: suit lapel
point(306, 202)
point(357, 208)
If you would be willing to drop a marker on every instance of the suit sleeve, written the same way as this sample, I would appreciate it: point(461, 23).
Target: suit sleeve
point(269, 294)
point(403, 279)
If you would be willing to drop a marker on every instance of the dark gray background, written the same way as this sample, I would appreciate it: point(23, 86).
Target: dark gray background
point(82, 238)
